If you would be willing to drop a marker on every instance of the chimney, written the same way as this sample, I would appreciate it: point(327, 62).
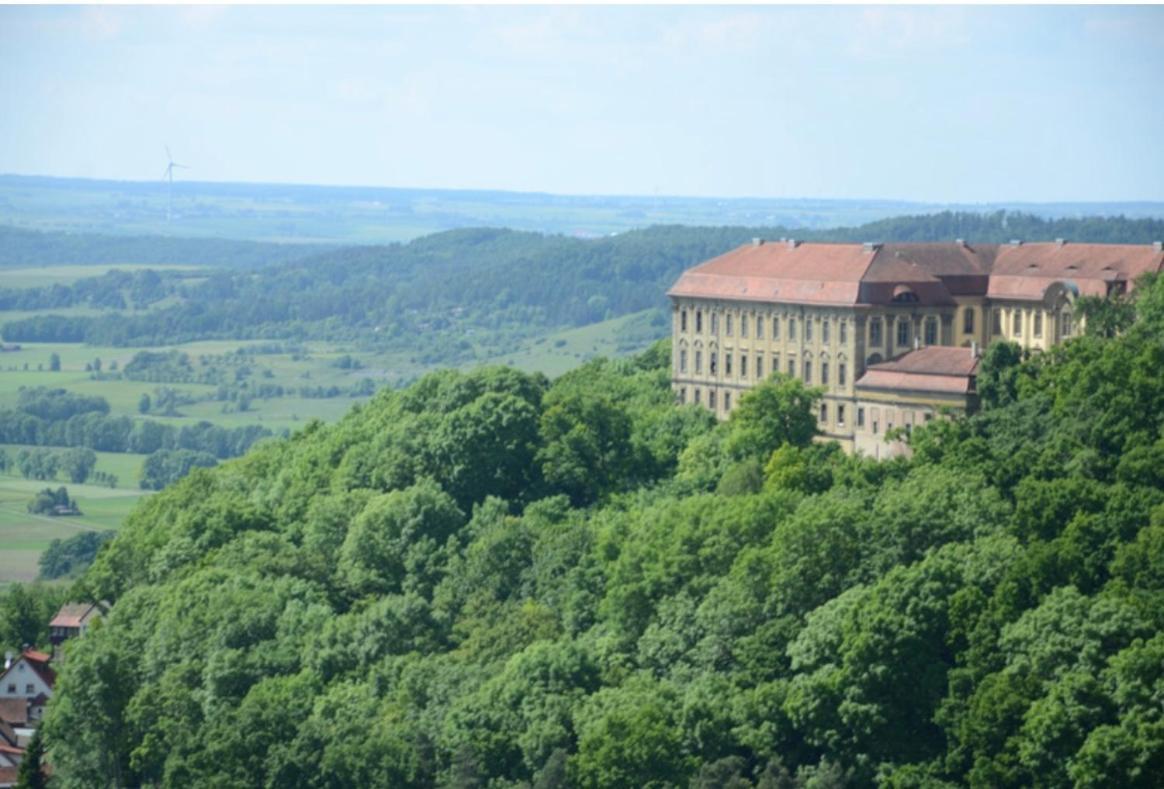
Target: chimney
point(974, 349)
point(1016, 242)
point(757, 242)
point(960, 242)
point(1158, 246)
point(871, 246)
point(1060, 242)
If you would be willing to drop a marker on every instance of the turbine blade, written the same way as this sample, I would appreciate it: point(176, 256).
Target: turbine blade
point(168, 156)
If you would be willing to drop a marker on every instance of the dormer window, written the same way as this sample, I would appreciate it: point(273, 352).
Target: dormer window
point(903, 295)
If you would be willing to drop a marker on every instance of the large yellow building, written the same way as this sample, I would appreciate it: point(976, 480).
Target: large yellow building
point(829, 313)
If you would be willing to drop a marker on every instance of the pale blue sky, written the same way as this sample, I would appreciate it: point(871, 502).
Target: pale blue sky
point(942, 104)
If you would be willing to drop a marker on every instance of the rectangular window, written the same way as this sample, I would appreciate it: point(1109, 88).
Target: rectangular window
point(743, 325)
point(775, 328)
point(699, 362)
point(824, 373)
point(683, 360)
point(876, 427)
point(928, 416)
point(727, 327)
point(844, 332)
point(727, 401)
point(759, 327)
point(903, 332)
point(968, 320)
point(824, 413)
point(697, 397)
point(711, 400)
point(791, 368)
point(759, 366)
point(807, 371)
point(996, 321)
point(824, 331)
point(842, 374)
point(29, 689)
point(715, 323)
point(1065, 323)
point(808, 329)
point(1017, 324)
point(775, 362)
point(682, 394)
point(699, 321)
point(1038, 323)
point(840, 416)
point(682, 320)
point(743, 366)
point(931, 331)
point(12, 688)
point(713, 362)
point(792, 328)
point(727, 363)
point(861, 417)
point(875, 332)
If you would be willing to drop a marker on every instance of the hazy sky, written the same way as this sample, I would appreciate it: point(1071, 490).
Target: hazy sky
point(918, 103)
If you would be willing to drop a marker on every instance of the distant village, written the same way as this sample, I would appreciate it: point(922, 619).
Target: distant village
point(26, 685)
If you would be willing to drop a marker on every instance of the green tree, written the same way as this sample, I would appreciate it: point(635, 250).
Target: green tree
point(54, 362)
point(775, 412)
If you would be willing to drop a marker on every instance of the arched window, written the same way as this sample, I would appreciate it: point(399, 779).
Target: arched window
point(903, 295)
point(874, 358)
point(931, 331)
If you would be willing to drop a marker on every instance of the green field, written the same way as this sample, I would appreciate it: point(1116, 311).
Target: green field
point(23, 537)
point(67, 275)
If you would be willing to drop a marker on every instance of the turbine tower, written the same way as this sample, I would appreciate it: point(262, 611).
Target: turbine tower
point(168, 176)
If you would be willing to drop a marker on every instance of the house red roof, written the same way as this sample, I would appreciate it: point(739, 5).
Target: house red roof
point(72, 615)
point(39, 662)
point(937, 368)
point(1025, 271)
point(934, 273)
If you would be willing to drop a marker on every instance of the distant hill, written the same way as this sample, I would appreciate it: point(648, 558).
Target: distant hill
point(366, 215)
point(25, 248)
point(470, 293)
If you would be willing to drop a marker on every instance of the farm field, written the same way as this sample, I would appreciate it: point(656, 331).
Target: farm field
point(23, 536)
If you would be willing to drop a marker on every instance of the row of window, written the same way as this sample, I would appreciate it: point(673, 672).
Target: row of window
point(1037, 323)
point(697, 398)
point(713, 366)
point(729, 326)
point(28, 689)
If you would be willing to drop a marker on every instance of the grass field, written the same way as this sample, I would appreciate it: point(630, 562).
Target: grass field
point(23, 537)
point(66, 275)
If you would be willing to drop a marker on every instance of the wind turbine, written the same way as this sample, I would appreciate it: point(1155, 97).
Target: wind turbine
point(168, 176)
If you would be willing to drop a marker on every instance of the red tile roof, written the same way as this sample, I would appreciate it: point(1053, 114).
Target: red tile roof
point(936, 368)
point(780, 271)
point(842, 274)
point(72, 615)
point(1026, 271)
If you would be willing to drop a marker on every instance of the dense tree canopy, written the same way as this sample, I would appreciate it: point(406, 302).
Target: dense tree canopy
point(492, 579)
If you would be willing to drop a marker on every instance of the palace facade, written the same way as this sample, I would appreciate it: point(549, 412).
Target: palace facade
point(833, 314)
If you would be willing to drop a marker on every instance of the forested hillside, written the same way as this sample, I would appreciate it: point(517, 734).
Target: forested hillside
point(24, 248)
point(458, 295)
point(489, 579)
